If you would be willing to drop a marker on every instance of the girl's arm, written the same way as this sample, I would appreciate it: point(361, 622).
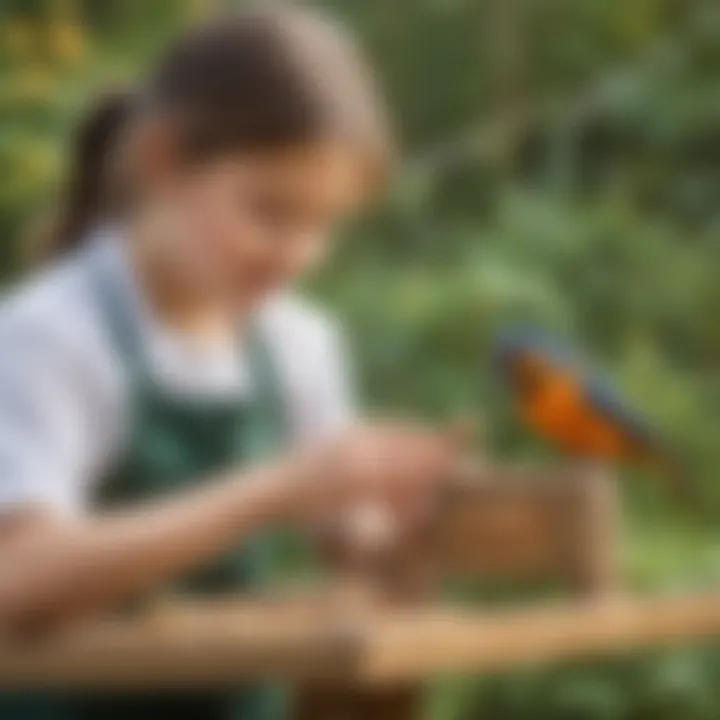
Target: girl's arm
point(55, 570)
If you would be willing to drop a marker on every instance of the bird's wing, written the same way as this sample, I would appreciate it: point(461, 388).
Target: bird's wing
point(606, 400)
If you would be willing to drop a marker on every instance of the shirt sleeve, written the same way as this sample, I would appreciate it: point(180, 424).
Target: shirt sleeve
point(331, 404)
point(46, 427)
point(316, 375)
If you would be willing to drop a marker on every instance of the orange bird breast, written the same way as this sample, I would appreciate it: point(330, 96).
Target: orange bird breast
point(559, 411)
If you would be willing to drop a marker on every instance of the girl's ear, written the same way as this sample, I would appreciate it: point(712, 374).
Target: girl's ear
point(155, 152)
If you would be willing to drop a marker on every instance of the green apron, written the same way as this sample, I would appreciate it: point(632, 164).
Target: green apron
point(175, 443)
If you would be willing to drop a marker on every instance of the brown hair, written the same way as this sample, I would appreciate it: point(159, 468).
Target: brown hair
point(252, 79)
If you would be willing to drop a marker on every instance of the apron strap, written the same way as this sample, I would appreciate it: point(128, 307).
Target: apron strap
point(269, 429)
point(268, 425)
point(115, 309)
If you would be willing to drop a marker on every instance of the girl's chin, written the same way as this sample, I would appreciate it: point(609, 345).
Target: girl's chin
point(258, 291)
point(250, 298)
point(236, 295)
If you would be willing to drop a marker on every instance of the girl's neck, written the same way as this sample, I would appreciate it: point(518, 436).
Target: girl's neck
point(171, 302)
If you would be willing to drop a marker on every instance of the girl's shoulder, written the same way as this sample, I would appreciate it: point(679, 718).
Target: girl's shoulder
point(312, 360)
point(55, 304)
point(62, 395)
point(296, 323)
point(53, 318)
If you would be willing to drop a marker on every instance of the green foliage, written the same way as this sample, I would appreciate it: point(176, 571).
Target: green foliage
point(564, 168)
point(665, 686)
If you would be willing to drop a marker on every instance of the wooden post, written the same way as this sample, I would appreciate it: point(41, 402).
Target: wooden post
point(400, 701)
point(594, 556)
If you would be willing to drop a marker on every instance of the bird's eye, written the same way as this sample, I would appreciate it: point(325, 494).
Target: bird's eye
point(531, 370)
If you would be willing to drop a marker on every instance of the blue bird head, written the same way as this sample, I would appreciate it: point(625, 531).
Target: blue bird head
point(518, 341)
point(517, 346)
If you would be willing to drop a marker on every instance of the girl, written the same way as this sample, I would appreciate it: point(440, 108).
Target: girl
point(144, 374)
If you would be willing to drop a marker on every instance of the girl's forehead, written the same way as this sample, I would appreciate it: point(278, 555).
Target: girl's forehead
point(329, 172)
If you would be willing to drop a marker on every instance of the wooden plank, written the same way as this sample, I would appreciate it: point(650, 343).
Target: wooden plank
point(188, 646)
point(204, 645)
point(419, 645)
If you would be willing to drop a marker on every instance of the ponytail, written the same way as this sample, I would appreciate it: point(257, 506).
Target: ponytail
point(86, 196)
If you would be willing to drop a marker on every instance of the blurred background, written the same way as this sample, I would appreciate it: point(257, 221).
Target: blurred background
point(562, 165)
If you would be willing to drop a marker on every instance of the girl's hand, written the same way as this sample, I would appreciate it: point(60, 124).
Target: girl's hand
point(403, 465)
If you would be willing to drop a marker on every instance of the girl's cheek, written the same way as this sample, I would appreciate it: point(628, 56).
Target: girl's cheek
point(212, 232)
point(271, 263)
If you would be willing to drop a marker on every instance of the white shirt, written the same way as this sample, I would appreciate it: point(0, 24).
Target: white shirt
point(64, 393)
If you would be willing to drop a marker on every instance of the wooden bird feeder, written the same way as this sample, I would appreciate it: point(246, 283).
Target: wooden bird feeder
point(371, 659)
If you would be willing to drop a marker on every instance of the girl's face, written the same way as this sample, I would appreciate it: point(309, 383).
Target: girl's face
point(239, 228)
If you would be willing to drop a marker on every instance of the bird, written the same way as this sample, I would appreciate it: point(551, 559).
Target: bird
point(568, 403)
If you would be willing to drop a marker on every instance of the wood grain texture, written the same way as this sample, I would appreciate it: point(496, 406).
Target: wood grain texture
point(211, 643)
point(558, 524)
point(205, 645)
point(416, 646)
